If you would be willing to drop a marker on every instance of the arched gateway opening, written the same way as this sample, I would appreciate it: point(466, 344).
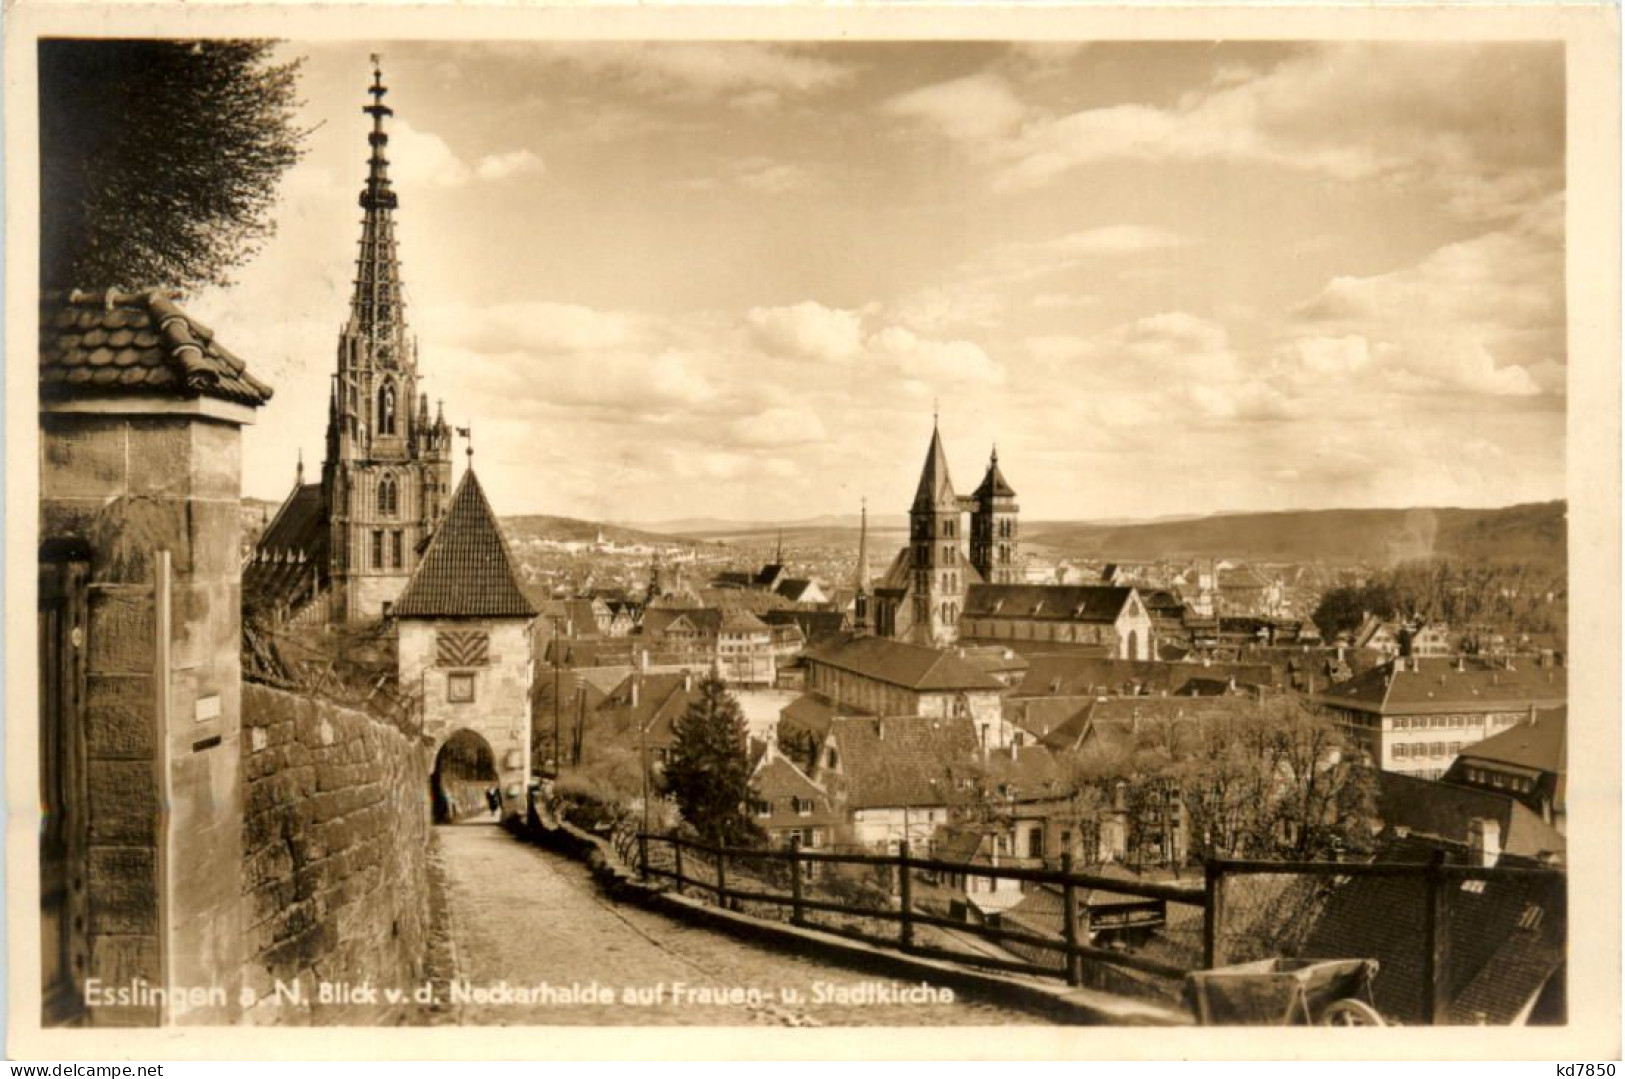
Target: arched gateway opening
point(464, 775)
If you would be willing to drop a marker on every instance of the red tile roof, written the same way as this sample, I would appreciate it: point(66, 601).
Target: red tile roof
point(1541, 745)
point(135, 343)
point(1445, 811)
point(467, 571)
point(903, 761)
point(1424, 686)
point(911, 666)
point(1046, 602)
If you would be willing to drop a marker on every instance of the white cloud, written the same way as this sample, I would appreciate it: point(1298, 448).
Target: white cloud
point(808, 330)
point(424, 159)
point(933, 362)
point(706, 70)
point(1483, 316)
point(968, 109)
point(1400, 113)
point(512, 163)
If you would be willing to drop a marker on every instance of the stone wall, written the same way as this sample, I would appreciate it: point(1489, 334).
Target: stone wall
point(335, 876)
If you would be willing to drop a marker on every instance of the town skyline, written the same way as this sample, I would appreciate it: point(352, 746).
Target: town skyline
point(975, 224)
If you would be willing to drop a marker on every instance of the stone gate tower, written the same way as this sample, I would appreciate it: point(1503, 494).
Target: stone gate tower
point(387, 474)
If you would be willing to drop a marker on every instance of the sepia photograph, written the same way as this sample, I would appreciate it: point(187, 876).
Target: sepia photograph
point(1020, 532)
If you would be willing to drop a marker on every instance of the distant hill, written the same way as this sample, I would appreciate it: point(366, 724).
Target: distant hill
point(1535, 533)
point(717, 527)
point(571, 530)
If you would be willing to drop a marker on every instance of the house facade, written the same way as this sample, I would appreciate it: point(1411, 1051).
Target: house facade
point(1415, 716)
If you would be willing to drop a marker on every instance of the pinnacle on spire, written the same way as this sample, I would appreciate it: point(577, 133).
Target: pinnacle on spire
point(377, 309)
point(863, 548)
point(936, 486)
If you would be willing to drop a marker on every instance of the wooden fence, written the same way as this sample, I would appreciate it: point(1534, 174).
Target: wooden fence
point(1225, 889)
point(1072, 945)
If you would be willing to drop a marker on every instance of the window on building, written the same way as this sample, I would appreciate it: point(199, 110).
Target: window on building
point(386, 408)
point(804, 807)
point(460, 687)
point(378, 549)
point(762, 807)
point(389, 496)
point(1401, 751)
point(831, 758)
point(397, 552)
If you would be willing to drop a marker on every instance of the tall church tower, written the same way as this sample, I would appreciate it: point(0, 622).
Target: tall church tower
point(387, 476)
point(993, 527)
point(937, 565)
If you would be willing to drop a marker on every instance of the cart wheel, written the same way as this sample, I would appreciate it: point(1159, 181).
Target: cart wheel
point(1349, 1012)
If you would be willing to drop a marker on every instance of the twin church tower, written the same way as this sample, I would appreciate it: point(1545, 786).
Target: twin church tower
point(922, 594)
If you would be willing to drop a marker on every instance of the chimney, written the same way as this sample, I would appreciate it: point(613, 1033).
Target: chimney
point(1484, 840)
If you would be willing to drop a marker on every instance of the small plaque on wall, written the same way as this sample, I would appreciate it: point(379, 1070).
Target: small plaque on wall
point(207, 708)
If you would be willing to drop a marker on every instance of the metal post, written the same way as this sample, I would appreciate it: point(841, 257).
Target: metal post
point(1436, 942)
point(1213, 915)
point(797, 916)
point(558, 755)
point(643, 855)
point(905, 896)
point(722, 877)
point(1069, 922)
point(677, 857)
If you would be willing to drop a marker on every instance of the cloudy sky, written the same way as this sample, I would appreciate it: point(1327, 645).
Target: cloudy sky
point(672, 280)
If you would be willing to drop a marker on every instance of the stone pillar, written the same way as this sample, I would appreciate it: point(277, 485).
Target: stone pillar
point(132, 479)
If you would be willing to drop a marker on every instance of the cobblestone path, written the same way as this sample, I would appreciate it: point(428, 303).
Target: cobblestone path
point(526, 922)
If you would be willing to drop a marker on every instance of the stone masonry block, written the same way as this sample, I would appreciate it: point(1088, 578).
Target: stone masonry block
point(128, 533)
point(122, 631)
point(123, 889)
point(123, 801)
point(82, 457)
point(120, 720)
point(161, 459)
point(217, 458)
point(215, 534)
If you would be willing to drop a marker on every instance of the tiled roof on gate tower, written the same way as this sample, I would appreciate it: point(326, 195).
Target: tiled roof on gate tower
point(467, 571)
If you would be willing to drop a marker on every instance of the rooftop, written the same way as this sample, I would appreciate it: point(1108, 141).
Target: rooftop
point(467, 571)
point(1060, 602)
point(135, 343)
point(910, 666)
